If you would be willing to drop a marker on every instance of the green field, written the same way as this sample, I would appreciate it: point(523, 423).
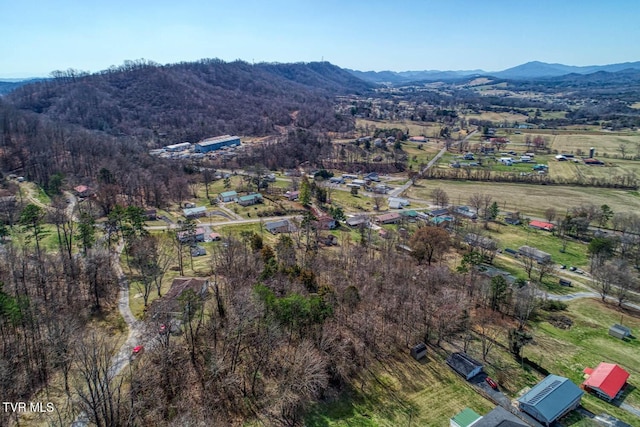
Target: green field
point(529, 199)
point(402, 392)
point(587, 343)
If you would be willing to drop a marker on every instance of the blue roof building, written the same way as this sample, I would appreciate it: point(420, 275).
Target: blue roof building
point(216, 143)
point(551, 399)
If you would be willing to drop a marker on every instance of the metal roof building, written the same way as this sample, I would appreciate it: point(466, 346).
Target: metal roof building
point(211, 144)
point(551, 399)
point(607, 380)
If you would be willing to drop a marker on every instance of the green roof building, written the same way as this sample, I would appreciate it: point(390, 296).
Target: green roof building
point(466, 418)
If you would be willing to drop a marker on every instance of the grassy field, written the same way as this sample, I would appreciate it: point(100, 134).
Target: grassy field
point(587, 343)
point(403, 392)
point(529, 199)
point(497, 117)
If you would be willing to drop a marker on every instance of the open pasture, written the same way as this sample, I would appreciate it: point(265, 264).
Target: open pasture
point(529, 199)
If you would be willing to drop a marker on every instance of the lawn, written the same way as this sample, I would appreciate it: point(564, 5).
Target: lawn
point(587, 343)
point(401, 392)
point(529, 199)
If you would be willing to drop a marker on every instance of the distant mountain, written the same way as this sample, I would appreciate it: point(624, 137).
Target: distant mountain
point(189, 101)
point(394, 77)
point(534, 69)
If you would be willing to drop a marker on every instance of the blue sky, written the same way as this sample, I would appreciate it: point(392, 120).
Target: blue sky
point(37, 37)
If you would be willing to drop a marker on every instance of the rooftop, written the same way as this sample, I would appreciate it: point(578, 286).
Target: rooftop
point(607, 377)
point(466, 417)
point(551, 396)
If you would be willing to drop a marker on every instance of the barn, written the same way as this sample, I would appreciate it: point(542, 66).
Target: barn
point(607, 380)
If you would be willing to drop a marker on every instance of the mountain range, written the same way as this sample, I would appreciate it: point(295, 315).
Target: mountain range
point(530, 70)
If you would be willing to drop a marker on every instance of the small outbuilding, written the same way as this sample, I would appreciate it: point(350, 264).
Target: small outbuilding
point(464, 364)
point(619, 331)
point(551, 399)
point(419, 351)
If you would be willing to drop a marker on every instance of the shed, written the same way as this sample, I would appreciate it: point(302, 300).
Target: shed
point(619, 331)
point(466, 418)
point(551, 399)
point(419, 351)
point(607, 380)
point(464, 364)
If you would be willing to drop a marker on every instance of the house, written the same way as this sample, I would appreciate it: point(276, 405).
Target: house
point(195, 212)
point(389, 218)
point(181, 284)
point(83, 191)
point(465, 418)
point(411, 215)
point(336, 180)
point(541, 225)
point(534, 253)
point(227, 196)
point(280, 226)
point(185, 236)
point(512, 218)
point(464, 364)
point(151, 214)
point(499, 417)
point(619, 331)
point(398, 201)
point(292, 195)
point(419, 351)
point(483, 242)
point(438, 212)
point(607, 380)
point(551, 399)
point(441, 221)
point(324, 221)
point(214, 237)
point(170, 302)
point(358, 220)
point(250, 199)
point(465, 211)
point(373, 176)
point(359, 182)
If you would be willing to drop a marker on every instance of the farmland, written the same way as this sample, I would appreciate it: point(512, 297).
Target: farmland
point(530, 199)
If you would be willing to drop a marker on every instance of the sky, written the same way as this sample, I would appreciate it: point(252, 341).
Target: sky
point(38, 37)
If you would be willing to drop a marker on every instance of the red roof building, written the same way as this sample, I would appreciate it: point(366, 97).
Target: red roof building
point(607, 380)
point(541, 225)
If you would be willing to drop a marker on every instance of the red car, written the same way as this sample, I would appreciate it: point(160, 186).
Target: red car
point(137, 350)
point(491, 383)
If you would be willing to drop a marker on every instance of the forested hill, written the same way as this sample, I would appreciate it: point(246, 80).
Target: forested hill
point(189, 101)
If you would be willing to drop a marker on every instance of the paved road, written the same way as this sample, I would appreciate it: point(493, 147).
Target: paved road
point(578, 295)
point(398, 191)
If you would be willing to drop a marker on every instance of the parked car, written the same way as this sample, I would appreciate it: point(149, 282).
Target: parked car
point(491, 383)
point(137, 351)
point(572, 268)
